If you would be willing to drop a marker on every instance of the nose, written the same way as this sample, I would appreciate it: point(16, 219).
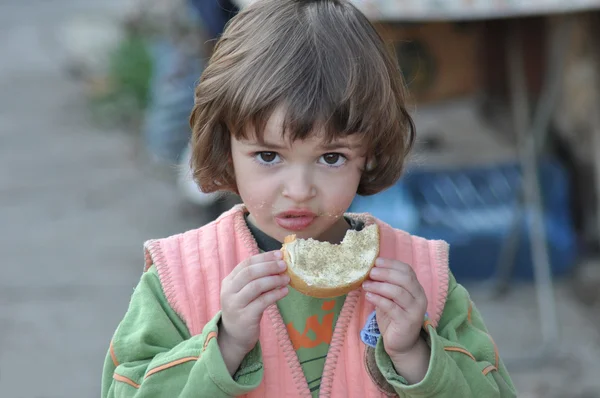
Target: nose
point(299, 185)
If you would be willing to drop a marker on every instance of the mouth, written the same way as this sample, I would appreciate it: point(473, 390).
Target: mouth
point(295, 220)
point(296, 213)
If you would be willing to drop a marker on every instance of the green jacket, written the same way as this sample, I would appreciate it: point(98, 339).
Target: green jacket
point(153, 355)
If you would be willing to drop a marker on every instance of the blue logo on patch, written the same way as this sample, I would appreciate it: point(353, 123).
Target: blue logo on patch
point(370, 332)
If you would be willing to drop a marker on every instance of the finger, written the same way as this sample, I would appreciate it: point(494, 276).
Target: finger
point(260, 304)
point(256, 259)
point(259, 286)
point(393, 264)
point(256, 271)
point(396, 276)
point(397, 294)
point(385, 305)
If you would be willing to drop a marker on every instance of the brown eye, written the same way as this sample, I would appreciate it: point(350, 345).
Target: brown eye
point(267, 157)
point(333, 159)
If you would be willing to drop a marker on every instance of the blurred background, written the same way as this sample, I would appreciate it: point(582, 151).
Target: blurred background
point(94, 105)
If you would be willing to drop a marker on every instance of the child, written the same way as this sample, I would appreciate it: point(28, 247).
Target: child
point(300, 108)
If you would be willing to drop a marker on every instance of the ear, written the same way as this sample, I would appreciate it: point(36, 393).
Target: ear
point(370, 165)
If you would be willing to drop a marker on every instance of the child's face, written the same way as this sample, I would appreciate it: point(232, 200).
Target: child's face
point(302, 189)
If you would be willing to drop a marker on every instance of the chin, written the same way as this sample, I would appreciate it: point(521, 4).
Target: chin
point(317, 232)
point(310, 232)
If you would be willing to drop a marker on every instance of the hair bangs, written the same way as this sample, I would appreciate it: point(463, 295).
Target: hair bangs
point(325, 78)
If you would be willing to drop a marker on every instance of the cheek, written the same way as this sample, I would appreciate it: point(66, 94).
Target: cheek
point(256, 191)
point(340, 191)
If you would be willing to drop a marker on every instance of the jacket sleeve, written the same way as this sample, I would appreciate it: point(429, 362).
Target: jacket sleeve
point(464, 359)
point(153, 355)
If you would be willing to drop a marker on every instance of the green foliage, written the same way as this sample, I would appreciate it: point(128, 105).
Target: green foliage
point(123, 95)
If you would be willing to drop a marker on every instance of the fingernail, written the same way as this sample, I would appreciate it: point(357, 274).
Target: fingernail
point(278, 254)
point(379, 262)
point(282, 264)
point(366, 285)
point(375, 272)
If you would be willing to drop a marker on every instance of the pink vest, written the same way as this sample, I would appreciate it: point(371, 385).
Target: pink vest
point(192, 265)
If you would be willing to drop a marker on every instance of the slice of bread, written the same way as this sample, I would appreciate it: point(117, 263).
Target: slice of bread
point(325, 270)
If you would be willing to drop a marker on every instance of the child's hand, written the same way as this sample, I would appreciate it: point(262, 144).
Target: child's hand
point(400, 303)
point(246, 292)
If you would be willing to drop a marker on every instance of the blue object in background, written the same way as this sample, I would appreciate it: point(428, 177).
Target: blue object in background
point(176, 70)
point(473, 210)
point(395, 206)
point(214, 14)
point(166, 126)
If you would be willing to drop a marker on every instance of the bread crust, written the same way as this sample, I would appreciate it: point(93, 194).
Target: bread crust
point(320, 291)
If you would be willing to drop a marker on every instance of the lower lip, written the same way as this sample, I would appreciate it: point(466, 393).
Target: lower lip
point(295, 223)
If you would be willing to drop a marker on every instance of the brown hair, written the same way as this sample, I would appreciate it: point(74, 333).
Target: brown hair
point(321, 60)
